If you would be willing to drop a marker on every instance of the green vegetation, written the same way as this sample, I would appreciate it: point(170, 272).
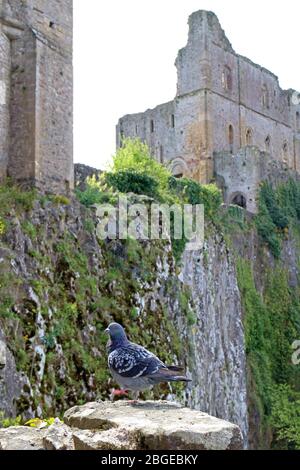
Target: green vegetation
point(60, 200)
point(279, 209)
point(271, 325)
point(135, 156)
point(13, 197)
point(96, 192)
point(285, 417)
point(8, 422)
point(77, 298)
point(192, 192)
point(135, 171)
point(126, 181)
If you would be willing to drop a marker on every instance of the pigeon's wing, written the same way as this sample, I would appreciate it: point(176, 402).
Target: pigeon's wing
point(132, 361)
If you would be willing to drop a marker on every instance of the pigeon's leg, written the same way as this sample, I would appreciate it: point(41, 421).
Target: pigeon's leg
point(135, 396)
point(118, 393)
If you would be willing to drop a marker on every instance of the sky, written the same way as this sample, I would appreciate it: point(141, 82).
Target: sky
point(124, 54)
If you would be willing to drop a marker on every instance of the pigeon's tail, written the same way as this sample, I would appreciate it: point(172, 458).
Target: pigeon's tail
point(175, 368)
point(169, 374)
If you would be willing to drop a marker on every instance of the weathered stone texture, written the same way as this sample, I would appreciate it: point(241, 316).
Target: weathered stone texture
point(36, 115)
point(217, 359)
point(123, 426)
point(82, 173)
point(224, 102)
point(241, 174)
point(4, 101)
point(149, 425)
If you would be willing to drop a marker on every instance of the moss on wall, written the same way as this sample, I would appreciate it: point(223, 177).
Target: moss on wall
point(60, 287)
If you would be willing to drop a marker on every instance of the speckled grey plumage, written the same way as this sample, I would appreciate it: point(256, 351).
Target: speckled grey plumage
point(135, 368)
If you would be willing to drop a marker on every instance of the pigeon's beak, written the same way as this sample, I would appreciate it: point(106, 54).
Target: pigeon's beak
point(107, 330)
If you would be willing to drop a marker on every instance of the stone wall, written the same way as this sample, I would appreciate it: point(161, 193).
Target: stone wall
point(4, 101)
point(240, 174)
point(36, 139)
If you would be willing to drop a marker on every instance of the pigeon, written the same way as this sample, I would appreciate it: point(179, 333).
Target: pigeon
point(135, 368)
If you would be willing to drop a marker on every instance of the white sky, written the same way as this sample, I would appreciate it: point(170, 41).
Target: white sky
point(124, 53)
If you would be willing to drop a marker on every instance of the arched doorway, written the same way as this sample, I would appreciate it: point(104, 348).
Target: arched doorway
point(239, 200)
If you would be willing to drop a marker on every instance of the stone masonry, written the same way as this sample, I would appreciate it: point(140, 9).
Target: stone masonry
point(36, 93)
point(225, 105)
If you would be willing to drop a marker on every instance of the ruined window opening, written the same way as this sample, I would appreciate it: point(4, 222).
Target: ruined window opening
point(179, 175)
point(230, 138)
point(51, 24)
point(249, 137)
point(239, 200)
point(268, 143)
point(265, 97)
point(152, 126)
point(136, 129)
point(298, 121)
point(173, 121)
point(161, 154)
point(227, 78)
point(285, 151)
point(121, 138)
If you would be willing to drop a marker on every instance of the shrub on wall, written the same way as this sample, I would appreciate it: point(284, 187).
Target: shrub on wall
point(278, 209)
point(135, 156)
point(127, 181)
point(194, 193)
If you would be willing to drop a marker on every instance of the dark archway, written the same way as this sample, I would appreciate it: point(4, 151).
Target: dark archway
point(239, 200)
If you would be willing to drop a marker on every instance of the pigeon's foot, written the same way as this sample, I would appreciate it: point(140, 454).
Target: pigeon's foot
point(135, 398)
point(118, 393)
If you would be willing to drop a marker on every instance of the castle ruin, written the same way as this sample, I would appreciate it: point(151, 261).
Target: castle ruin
point(229, 117)
point(36, 93)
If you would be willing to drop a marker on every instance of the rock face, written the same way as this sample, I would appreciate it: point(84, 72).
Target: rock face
point(118, 426)
point(57, 437)
point(53, 258)
point(216, 357)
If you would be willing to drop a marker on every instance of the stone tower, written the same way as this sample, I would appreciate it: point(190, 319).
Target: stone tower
point(36, 93)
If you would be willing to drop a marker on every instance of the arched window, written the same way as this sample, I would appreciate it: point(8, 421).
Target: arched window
point(227, 78)
point(285, 151)
point(268, 143)
point(172, 121)
point(161, 154)
point(298, 121)
point(121, 137)
point(249, 137)
point(230, 138)
point(265, 97)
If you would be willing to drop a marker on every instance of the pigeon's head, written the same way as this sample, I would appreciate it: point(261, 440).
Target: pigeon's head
point(116, 332)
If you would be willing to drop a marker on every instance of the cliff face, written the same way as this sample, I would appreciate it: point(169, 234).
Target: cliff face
point(60, 287)
point(217, 359)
